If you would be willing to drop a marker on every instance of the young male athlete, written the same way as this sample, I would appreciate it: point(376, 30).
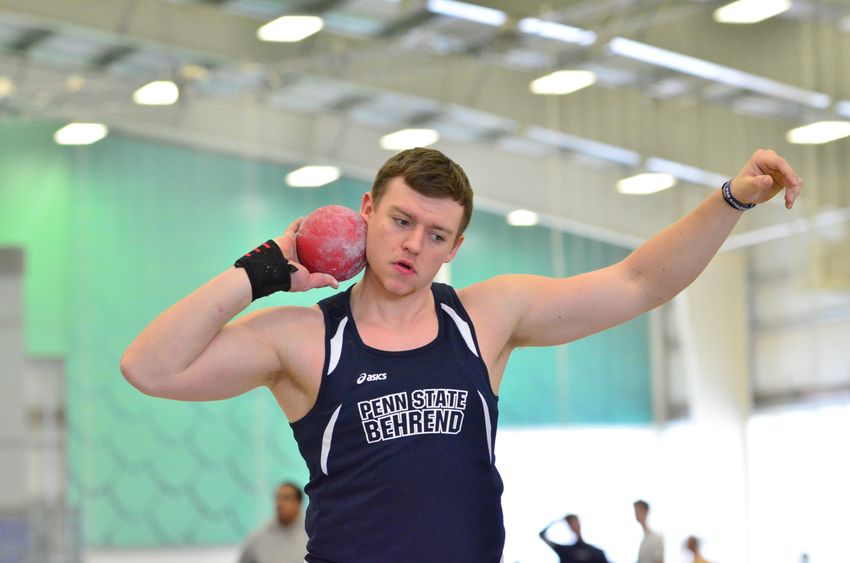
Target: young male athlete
point(391, 387)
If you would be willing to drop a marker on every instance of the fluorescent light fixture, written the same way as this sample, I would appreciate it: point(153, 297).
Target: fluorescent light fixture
point(842, 108)
point(157, 93)
point(717, 73)
point(562, 82)
point(409, 138)
point(819, 133)
point(584, 146)
point(6, 86)
point(469, 12)
point(290, 29)
point(80, 134)
point(646, 183)
point(312, 176)
point(750, 11)
point(684, 172)
point(557, 31)
point(522, 218)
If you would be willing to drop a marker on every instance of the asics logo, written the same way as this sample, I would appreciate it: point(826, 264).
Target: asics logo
point(371, 377)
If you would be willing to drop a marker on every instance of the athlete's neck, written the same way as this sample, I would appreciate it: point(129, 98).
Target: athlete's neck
point(372, 304)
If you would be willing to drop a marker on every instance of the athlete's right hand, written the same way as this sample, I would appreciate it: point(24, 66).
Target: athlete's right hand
point(302, 280)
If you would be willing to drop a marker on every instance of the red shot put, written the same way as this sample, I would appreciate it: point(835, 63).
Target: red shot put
point(332, 240)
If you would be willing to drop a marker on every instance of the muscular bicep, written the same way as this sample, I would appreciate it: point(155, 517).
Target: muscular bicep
point(552, 311)
point(241, 357)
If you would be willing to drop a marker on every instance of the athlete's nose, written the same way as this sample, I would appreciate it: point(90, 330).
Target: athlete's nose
point(413, 241)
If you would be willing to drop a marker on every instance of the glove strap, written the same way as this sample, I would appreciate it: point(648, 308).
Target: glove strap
point(268, 270)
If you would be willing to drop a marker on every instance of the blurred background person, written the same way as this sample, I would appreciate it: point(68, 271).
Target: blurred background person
point(652, 547)
point(579, 551)
point(282, 539)
point(692, 545)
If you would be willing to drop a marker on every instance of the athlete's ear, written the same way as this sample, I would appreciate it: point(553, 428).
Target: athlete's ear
point(454, 250)
point(366, 207)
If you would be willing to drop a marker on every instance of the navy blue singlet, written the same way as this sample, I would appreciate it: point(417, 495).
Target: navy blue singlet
point(400, 447)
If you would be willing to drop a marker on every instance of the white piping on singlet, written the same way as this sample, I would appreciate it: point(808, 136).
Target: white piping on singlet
point(487, 425)
point(336, 346)
point(462, 326)
point(326, 440)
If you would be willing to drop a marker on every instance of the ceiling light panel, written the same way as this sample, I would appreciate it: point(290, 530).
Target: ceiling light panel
point(312, 176)
point(819, 133)
point(562, 82)
point(409, 138)
point(685, 173)
point(290, 29)
point(714, 72)
point(750, 11)
point(557, 31)
point(468, 12)
point(522, 218)
point(80, 133)
point(646, 183)
point(157, 93)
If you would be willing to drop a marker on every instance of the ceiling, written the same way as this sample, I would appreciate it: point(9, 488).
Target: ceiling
point(382, 65)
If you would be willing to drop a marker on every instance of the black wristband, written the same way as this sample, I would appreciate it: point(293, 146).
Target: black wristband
point(730, 199)
point(267, 269)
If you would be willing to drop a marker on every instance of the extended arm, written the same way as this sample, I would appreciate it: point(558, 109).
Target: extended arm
point(549, 542)
point(541, 311)
point(193, 352)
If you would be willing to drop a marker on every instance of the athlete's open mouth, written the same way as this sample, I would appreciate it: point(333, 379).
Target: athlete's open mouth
point(405, 265)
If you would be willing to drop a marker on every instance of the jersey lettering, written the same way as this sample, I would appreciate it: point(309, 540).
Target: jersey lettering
point(424, 411)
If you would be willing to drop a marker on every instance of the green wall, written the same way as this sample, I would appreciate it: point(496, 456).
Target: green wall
point(115, 232)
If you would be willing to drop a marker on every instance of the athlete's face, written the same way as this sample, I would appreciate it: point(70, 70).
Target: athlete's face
point(410, 236)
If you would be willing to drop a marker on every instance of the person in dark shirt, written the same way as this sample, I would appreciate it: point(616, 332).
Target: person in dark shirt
point(578, 552)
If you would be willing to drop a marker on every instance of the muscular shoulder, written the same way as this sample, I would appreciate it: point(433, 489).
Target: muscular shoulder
point(296, 322)
point(288, 329)
point(493, 305)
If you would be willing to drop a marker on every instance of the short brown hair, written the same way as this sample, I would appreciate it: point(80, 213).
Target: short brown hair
point(432, 174)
